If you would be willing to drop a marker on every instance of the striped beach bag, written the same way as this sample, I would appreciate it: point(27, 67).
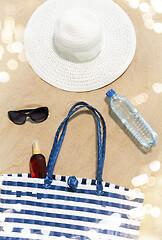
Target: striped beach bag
point(63, 207)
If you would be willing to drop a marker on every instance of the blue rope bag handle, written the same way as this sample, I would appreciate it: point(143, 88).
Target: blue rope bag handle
point(59, 137)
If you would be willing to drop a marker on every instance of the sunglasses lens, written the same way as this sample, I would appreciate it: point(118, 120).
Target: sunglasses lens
point(40, 114)
point(17, 117)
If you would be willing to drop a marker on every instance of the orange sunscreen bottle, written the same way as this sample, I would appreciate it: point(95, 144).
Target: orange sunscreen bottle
point(37, 162)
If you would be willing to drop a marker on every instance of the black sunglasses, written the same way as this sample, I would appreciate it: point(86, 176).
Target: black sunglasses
point(37, 115)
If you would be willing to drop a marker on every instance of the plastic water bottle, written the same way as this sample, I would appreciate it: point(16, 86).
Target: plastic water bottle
point(133, 121)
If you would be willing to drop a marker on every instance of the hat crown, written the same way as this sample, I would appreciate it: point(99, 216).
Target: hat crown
point(78, 35)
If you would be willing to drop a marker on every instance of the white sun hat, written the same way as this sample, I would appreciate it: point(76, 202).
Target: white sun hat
point(79, 45)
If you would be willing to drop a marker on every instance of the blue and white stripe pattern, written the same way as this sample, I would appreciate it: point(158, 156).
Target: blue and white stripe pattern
point(29, 211)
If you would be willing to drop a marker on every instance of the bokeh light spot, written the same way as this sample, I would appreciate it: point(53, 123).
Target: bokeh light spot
point(141, 98)
point(144, 7)
point(8, 228)
point(157, 5)
point(4, 77)
point(137, 190)
point(151, 10)
point(131, 195)
point(1, 50)
point(92, 234)
point(158, 27)
point(149, 24)
point(6, 35)
point(18, 207)
point(147, 17)
point(148, 208)
point(9, 48)
point(140, 180)
point(25, 231)
point(155, 212)
point(45, 231)
point(12, 64)
point(151, 181)
point(17, 47)
point(136, 213)
point(134, 3)
point(114, 220)
point(155, 166)
point(2, 217)
point(9, 24)
point(157, 87)
point(8, 30)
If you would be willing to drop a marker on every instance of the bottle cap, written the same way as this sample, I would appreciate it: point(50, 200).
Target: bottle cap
point(110, 93)
point(35, 147)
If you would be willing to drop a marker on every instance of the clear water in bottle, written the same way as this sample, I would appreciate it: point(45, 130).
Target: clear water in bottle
point(133, 121)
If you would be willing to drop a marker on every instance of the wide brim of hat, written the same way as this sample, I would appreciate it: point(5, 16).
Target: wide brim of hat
point(116, 55)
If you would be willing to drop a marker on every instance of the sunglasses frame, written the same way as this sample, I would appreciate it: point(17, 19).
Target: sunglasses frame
point(27, 113)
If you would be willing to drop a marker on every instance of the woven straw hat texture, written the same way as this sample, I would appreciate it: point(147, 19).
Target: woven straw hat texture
point(115, 57)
